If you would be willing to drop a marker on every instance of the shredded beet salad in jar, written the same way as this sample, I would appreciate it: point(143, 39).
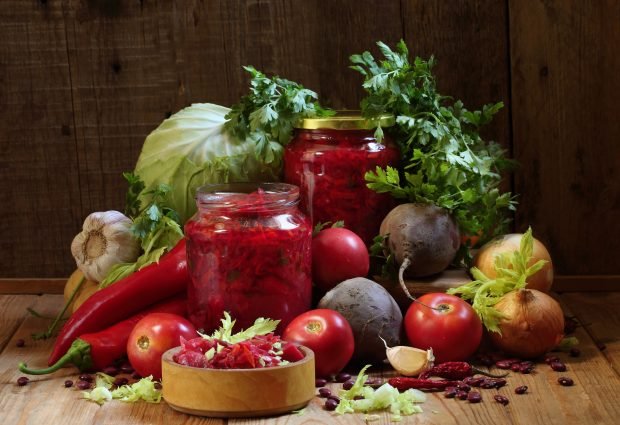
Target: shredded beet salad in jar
point(248, 253)
point(328, 158)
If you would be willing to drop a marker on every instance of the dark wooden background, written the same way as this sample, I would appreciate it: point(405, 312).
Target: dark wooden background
point(82, 82)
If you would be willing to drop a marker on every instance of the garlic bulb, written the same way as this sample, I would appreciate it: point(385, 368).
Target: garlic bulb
point(105, 240)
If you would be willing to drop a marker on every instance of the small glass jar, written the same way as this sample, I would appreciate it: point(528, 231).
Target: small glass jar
point(328, 158)
point(248, 253)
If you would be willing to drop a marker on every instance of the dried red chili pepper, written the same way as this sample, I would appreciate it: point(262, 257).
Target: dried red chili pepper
point(403, 384)
point(455, 371)
point(128, 296)
point(94, 351)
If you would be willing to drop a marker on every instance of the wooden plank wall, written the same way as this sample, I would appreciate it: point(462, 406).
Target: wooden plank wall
point(82, 82)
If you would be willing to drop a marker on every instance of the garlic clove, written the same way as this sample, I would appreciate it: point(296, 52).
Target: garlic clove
point(409, 361)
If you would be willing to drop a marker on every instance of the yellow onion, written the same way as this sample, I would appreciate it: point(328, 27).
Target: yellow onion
point(533, 323)
point(485, 259)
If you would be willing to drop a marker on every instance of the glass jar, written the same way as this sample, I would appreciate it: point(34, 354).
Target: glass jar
point(328, 158)
point(248, 253)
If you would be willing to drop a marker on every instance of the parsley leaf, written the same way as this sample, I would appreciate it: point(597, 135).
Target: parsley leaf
point(269, 112)
point(444, 159)
point(157, 226)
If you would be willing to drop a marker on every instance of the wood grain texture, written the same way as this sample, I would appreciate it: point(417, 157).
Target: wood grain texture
point(591, 401)
point(40, 203)
point(469, 42)
point(601, 320)
point(82, 83)
point(565, 88)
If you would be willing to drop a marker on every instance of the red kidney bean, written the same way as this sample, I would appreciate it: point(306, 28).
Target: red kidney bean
point(85, 378)
point(521, 390)
point(501, 399)
point(324, 392)
point(320, 382)
point(473, 381)
point(20, 343)
point(68, 383)
point(83, 385)
point(347, 385)
point(450, 392)
point(22, 380)
point(566, 382)
point(474, 397)
point(333, 397)
point(119, 381)
point(461, 395)
point(110, 370)
point(503, 364)
point(330, 404)
point(374, 382)
point(558, 366)
point(342, 377)
point(551, 359)
point(463, 387)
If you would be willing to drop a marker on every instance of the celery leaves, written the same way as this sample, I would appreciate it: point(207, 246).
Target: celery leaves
point(512, 270)
point(224, 333)
point(361, 398)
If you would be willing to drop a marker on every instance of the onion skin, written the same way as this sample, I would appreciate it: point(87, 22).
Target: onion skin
point(485, 260)
point(534, 323)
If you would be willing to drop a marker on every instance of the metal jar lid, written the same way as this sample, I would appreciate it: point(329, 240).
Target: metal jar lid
point(346, 120)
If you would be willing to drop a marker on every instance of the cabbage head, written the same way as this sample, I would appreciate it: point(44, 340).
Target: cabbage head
point(191, 149)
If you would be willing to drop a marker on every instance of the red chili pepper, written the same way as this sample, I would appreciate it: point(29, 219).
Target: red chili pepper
point(94, 351)
point(455, 371)
point(404, 384)
point(110, 305)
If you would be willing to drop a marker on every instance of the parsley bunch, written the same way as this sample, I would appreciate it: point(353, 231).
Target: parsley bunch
point(444, 159)
point(269, 112)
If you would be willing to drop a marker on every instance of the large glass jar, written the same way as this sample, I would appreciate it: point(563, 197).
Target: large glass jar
point(248, 253)
point(328, 158)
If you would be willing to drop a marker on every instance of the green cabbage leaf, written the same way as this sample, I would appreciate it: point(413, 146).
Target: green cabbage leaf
point(190, 149)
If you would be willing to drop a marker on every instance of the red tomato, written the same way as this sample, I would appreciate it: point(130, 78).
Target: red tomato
point(453, 331)
point(153, 335)
point(338, 254)
point(328, 334)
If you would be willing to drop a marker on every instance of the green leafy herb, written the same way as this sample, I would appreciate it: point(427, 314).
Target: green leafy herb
point(144, 389)
point(378, 250)
point(157, 226)
point(269, 112)
point(261, 326)
point(445, 161)
point(361, 398)
point(320, 226)
point(512, 273)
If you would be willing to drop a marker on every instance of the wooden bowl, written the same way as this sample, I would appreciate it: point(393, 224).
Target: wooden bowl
point(238, 392)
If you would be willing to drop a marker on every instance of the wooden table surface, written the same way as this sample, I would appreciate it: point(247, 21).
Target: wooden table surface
point(592, 400)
